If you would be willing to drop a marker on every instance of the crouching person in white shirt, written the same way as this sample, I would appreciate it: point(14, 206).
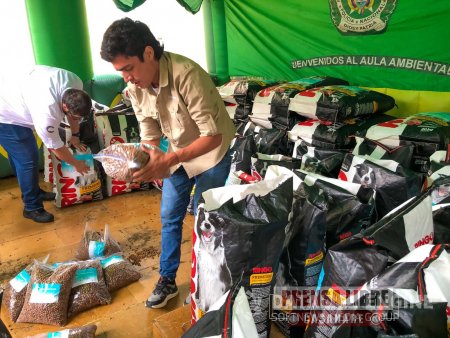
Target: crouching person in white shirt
point(39, 102)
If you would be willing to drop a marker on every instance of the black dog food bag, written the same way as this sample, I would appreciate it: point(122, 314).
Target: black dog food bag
point(334, 135)
point(393, 183)
point(238, 236)
point(230, 316)
point(243, 90)
point(427, 132)
point(273, 102)
point(339, 103)
point(326, 162)
point(418, 283)
point(378, 151)
point(441, 225)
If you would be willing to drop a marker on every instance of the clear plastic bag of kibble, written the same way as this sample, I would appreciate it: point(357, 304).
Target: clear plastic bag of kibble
point(121, 160)
point(87, 331)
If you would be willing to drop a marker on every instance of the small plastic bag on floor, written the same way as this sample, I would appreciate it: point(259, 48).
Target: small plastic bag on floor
point(48, 293)
point(95, 244)
point(86, 331)
point(88, 288)
point(118, 272)
point(14, 295)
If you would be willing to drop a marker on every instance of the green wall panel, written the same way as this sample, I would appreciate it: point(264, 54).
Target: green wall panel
point(265, 37)
point(59, 34)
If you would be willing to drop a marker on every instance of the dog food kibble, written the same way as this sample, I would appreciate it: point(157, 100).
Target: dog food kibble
point(94, 244)
point(118, 272)
point(14, 295)
point(122, 159)
point(88, 288)
point(87, 331)
point(48, 294)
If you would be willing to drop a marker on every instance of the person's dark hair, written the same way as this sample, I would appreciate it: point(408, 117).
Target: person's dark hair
point(77, 101)
point(128, 38)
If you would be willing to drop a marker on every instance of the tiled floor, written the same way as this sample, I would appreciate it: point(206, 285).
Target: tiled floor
point(134, 222)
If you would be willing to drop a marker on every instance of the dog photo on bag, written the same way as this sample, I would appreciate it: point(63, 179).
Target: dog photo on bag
point(214, 277)
point(364, 175)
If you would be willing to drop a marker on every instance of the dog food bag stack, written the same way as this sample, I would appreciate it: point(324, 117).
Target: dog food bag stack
point(334, 114)
point(272, 103)
point(427, 132)
point(238, 95)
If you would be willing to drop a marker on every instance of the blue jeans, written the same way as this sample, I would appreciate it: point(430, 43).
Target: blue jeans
point(20, 144)
point(174, 201)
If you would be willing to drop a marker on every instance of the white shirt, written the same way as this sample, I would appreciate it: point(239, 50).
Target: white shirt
point(36, 101)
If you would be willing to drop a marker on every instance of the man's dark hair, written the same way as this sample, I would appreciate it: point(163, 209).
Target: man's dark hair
point(128, 38)
point(77, 101)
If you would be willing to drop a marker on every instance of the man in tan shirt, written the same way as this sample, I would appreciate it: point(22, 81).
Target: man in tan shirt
point(172, 96)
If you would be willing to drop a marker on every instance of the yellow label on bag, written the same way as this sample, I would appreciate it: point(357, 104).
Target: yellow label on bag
point(87, 189)
point(314, 259)
point(261, 278)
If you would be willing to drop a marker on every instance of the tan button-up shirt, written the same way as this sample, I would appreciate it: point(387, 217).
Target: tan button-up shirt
point(187, 106)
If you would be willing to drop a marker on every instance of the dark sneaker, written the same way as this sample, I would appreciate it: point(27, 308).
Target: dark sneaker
point(165, 289)
point(40, 216)
point(47, 196)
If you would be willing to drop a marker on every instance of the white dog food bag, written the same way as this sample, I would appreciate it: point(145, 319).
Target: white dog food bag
point(72, 187)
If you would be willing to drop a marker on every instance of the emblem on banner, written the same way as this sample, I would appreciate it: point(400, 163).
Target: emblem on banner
point(361, 16)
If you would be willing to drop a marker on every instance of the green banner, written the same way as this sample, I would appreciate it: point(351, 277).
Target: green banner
point(374, 43)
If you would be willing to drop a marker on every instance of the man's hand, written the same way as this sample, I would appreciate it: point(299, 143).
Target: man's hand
point(158, 166)
point(65, 155)
point(81, 166)
point(75, 142)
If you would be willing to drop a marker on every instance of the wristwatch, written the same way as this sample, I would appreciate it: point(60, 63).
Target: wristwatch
point(76, 134)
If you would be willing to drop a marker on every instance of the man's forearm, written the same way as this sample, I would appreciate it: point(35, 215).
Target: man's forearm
point(64, 154)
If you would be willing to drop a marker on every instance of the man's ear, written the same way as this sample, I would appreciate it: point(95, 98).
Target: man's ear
point(64, 108)
point(149, 52)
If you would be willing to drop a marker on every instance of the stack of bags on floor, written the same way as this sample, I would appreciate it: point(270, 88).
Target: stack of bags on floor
point(53, 293)
point(104, 128)
point(364, 213)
